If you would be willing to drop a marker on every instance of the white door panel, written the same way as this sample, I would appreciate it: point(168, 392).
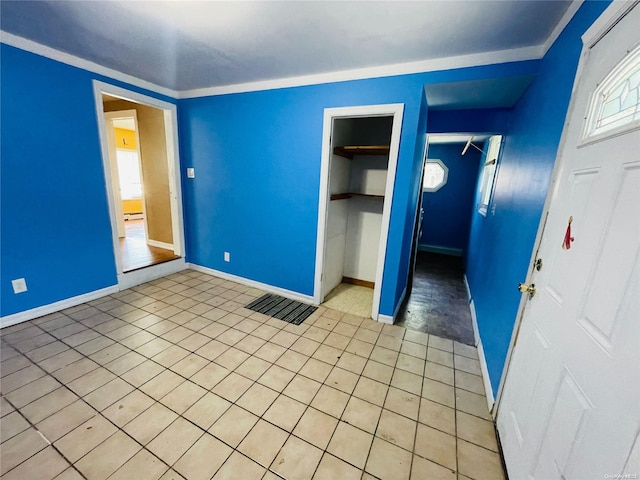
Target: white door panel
point(570, 407)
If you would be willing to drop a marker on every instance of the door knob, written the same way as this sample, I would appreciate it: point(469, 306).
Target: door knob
point(530, 289)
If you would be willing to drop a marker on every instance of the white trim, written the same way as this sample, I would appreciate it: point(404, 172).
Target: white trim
point(388, 319)
point(156, 243)
point(25, 315)
point(68, 59)
point(466, 285)
point(153, 272)
point(396, 110)
point(574, 6)
point(173, 159)
point(254, 284)
point(421, 66)
point(486, 380)
point(600, 26)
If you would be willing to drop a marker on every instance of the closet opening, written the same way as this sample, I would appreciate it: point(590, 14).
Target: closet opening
point(359, 163)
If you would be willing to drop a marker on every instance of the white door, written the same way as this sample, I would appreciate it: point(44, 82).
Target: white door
point(115, 177)
point(570, 407)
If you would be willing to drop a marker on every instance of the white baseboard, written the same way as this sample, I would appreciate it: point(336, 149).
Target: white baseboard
point(56, 306)
point(455, 252)
point(388, 319)
point(156, 243)
point(466, 285)
point(144, 275)
point(254, 284)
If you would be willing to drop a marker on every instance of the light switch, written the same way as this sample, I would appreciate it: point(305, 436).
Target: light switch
point(19, 285)
point(191, 173)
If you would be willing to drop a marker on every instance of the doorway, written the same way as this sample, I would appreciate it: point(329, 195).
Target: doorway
point(453, 181)
point(359, 157)
point(138, 138)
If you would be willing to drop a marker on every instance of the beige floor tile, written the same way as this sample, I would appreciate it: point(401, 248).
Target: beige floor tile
point(389, 342)
point(247, 325)
point(183, 396)
point(331, 401)
point(402, 402)
point(17, 449)
point(424, 469)
point(384, 356)
point(93, 346)
point(250, 344)
point(212, 350)
point(414, 349)
point(191, 464)
point(466, 364)
point(46, 351)
point(127, 408)
point(361, 414)
point(297, 460)
point(47, 405)
point(478, 463)
point(393, 330)
point(371, 391)
point(316, 427)
point(231, 358)
point(91, 381)
point(65, 420)
point(60, 360)
point(276, 378)
point(416, 337)
point(465, 350)
point(232, 387)
point(125, 363)
point(257, 399)
point(397, 429)
point(336, 340)
point(143, 373)
point(326, 323)
point(74, 370)
point(350, 444)
point(436, 446)
point(316, 370)
point(207, 410)
point(194, 342)
point(388, 462)
point(174, 441)
point(109, 354)
point(162, 384)
point(231, 336)
point(292, 360)
point(328, 354)
point(253, 368)
point(146, 426)
point(476, 430)
point(284, 339)
point(351, 362)
point(440, 373)
point(270, 352)
point(360, 348)
point(305, 346)
point(467, 381)
point(410, 364)
point(407, 381)
point(302, 389)
point(45, 465)
point(107, 457)
point(366, 335)
point(437, 416)
point(331, 468)
point(14, 364)
point(342, 380)
point(472, 403)
point(32, 391)
point(285, 412)
point(189, 366)
point(263, 443)
point(265, 332)
point(239, 466)
point(84, 438)
point(316, 334)
point(440, 356)
point(378, 371)
point(441, 343)
point(5, 407)
point(142, 466)
point(12, 425)
point(210, 376)
point(108, 394)
point(233, 425)
point(170, 356)
point(438, 392)
point(69, 474)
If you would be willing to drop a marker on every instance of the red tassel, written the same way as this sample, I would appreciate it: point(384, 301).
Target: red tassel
point(566, 244)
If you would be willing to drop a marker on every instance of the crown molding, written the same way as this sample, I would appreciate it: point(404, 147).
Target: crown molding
point(562, 24)
point(68, 59)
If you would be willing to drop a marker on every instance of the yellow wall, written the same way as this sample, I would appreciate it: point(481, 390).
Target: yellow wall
point(132, 206)
point(155, 174)
point(125, 139)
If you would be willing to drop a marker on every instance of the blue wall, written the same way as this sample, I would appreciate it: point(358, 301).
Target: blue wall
point(500, 245)
point(447, 212)
point(55, 229)
point(257, 159)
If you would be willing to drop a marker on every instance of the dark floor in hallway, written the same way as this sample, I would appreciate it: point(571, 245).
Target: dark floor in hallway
point(438, 301)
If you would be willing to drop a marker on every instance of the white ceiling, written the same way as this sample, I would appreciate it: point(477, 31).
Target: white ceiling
point(462, 138)
point(185, 45)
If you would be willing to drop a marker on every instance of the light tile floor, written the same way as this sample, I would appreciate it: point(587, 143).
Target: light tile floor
point(174, 379)
point(349, 298)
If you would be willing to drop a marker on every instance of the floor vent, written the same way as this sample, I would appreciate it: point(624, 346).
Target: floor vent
point(282, 308)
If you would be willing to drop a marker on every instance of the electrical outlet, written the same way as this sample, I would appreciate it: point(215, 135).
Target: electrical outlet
point(191, 172)
point(19, 285)
point(227, 257)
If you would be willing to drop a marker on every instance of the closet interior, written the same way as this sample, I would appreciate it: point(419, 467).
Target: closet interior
point(357, 182)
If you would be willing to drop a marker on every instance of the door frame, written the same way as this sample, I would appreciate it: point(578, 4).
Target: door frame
point(173, 168)
point(395, 110)
point(598, 29)
point(129, 114)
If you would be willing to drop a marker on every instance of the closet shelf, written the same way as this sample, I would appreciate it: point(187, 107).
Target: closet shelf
point(349, 151)
point(342, 196)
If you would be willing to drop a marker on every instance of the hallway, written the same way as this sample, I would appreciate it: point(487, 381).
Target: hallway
point(438, 302)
